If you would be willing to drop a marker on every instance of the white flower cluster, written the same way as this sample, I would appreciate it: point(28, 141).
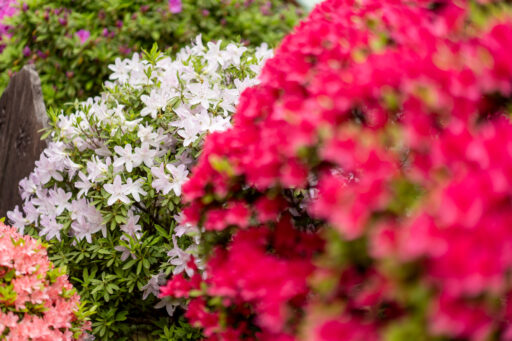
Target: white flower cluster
point(118, 162)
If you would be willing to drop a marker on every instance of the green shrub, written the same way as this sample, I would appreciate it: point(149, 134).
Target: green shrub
point(45, 33)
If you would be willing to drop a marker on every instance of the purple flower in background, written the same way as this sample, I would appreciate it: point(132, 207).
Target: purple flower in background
point(83, 35)
point(175, 6)
point(105, 33)
point(265, 9)
point(26, 51)
point(41, 54)
point(124, 50)
point(7, 9)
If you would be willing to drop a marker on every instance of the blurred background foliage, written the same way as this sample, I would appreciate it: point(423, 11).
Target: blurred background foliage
point(72, 42)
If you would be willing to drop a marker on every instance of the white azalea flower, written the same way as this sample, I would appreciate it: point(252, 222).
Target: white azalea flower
point(126, 157)
point(96, 169)
point(161, 181)
point(154, 103)
point(179, 177)
point(84, 185)
point(118, 191)
point(233, 54)
point(153, 285)
point(17, 219)
point(135, 188)
point(125, 252)
point(28, 186)
point(190, 130)
point(88, 221)
point(179, 258)
point(120, 71)
point(31, 212)
point(131, 227)
point(145, 154)
point(51, 228)
point(201, 93)
point(47, 169)
point(60, 199)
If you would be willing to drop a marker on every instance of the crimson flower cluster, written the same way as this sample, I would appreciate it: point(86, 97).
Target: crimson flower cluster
point(365, 189)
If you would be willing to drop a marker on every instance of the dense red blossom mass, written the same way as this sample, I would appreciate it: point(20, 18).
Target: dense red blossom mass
point(365, 189)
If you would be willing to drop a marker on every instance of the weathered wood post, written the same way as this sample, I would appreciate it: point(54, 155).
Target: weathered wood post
point(22, 115)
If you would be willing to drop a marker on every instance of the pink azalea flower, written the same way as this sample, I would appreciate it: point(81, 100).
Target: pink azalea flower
point(83, 35)
point(175, 6)
point(31, 283)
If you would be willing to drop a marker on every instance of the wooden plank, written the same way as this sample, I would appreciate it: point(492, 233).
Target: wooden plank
point(22, 115)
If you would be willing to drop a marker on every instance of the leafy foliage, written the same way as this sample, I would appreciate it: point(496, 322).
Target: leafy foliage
point(72, 42)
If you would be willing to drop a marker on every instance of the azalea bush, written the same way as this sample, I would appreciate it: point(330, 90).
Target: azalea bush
point(364, 190)
point(72, 42)
point(106, 191)
point(37, 302)
point(8, 8)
